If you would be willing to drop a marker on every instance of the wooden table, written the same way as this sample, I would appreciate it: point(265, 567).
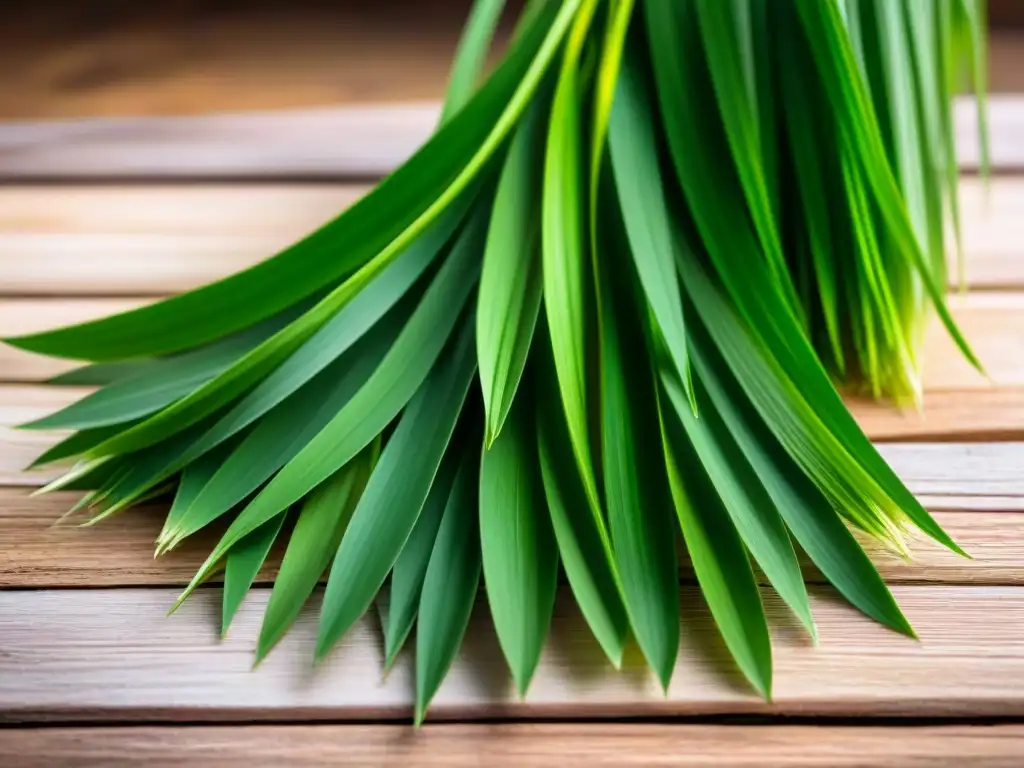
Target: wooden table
point(101, 216)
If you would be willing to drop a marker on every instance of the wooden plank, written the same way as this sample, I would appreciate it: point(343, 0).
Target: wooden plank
point(113, 654)
point(195, 57)
point(157, 239)
point(993, 232)
point(518, 745)
point(19, 316)
point(971, 415)
point(1006, 126)
point(129, 241)
point(993, 322)
point(40, 552)
point(326, 143)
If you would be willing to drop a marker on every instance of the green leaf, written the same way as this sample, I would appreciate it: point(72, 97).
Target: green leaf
point(825, 439)
point(193, 479)
point(563, 251)
point(641, 196)
point(520, 559)
point(377, 312)
point(808, 147)
point(636, 489)
point(805, 509)
point(318, 531)
point(510, 282)
point(858, 125)
point(160, 383)
point(281, 435)
point(388, 389)
point(722, 27)
point(583, 542)
point(411, 565)
point(396, 491)
point(449, 586)
point(101, 374)
point(719, 560)
point(244, 561)
point(78, 443)
point(471, 54)
point(744, 498)
point(364, 238)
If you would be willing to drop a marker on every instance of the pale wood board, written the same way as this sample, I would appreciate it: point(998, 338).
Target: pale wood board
point(113, 654)
point(514, 745)
point(41, 552)
point(150, 240)
point(993, 322)
point(971, 415)
point(326, 143)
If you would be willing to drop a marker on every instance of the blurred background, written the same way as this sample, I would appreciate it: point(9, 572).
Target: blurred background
point(64, 59)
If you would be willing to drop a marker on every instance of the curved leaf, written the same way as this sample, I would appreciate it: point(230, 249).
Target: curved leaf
point(364, 238)
point(510, 281)
point(563, 252)
point(396, 491)
point(411, 565)
point(242, 564)
point(449, 587)
point(520, 559)
point(719, 561)
point(318, 531)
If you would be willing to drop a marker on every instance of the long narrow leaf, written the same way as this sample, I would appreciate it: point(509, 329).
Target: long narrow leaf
point(520, 559)
point(449, 586)
point(396, 491)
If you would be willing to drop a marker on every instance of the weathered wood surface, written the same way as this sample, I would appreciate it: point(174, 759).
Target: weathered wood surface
point(151, 240)
point(993, 322)
point(114, 654)
point(322, 143)
point(159, 205)
point(38, 552)
point(513, 745)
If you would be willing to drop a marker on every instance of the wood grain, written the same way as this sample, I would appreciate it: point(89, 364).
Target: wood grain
point(993, 322)
point(149, 240)
point(115, 58)
point(41, 552)
point(113, 654)
point(112, 57)
point(325, 143)
point(19, 316)
point(962, 416)
point(971, 415)
point(517, 745)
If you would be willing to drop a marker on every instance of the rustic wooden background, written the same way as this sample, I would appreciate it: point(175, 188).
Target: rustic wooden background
point(137, 192)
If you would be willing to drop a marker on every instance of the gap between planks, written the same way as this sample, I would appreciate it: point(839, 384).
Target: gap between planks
point(155, 240)
point(518, 745)
point(39, 552)
point(113, 655)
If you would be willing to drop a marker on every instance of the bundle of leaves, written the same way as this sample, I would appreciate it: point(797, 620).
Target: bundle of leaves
point(609, 302)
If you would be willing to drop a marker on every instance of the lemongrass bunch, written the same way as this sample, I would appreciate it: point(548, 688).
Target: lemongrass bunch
point(606, 304)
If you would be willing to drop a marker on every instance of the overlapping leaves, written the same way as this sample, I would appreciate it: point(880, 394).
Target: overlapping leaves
point(606, 306)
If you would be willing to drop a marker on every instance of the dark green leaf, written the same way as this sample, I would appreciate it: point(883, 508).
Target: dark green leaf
point(520, 559)
point(396, 491)
point(449, 587)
